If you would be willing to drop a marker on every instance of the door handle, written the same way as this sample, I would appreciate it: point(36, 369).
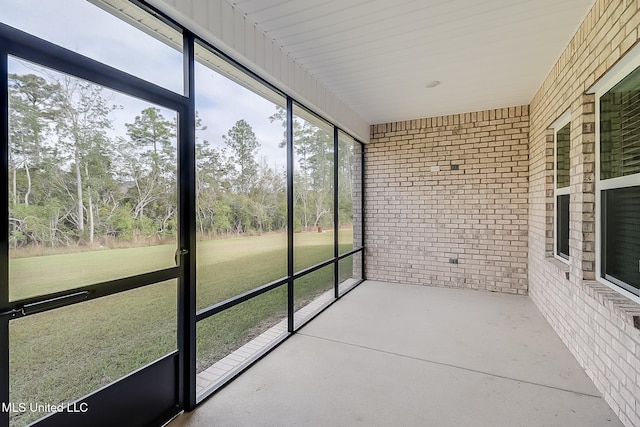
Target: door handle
point(47, 304)
point(179, 253)
point(56, 302)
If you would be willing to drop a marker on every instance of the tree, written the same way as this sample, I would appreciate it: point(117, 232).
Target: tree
point(149, 164)
point(152, 130)
point(270, 195)
point(75, 181)
point(82, 121)
point(313, 177)
point(346, 160)
point(58, 137)
point(211, 183)
point(243, 147)
point(30, 98)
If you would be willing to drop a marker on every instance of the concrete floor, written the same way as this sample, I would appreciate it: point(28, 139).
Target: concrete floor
point(403, 355)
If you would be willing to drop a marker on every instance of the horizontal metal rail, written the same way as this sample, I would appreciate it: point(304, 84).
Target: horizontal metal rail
point(238, 299)
point(246, 296)
point(20, 44)
point(351, 252)
point(313, 268)
point(54, 300)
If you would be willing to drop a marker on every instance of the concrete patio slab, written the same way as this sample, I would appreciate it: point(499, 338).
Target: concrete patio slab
point(389, 354)
point(497, 333)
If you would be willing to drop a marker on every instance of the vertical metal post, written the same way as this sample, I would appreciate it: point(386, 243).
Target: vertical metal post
point(290, 214)
point(4, 236)
point(336, 217)
point(187, 232)
point(604, 245)
point(362, 206)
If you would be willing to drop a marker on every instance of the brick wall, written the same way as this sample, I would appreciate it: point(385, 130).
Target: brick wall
point(421, 212)
point(495, 213)
point(595, 322)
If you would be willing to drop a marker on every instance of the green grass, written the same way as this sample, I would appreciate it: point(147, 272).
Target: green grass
point(64, 354)
point(45, 274)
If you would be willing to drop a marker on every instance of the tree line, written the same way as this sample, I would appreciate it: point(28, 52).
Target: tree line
point(74, 181)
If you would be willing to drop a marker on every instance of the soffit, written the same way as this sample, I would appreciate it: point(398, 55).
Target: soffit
point(377, 56)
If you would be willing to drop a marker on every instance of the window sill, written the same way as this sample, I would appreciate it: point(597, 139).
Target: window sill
point(562, 267)
point(626, 307)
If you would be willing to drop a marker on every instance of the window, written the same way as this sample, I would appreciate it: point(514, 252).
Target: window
point(241, 212)
point(241, 187)
point(618, 182)
point(124, 186)
point(562, 143)
point(312, 189)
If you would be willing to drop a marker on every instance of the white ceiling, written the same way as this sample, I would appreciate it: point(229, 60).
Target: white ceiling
point(378, 55)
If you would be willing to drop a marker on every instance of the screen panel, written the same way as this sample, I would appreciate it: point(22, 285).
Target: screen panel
point(61, 355)
point(92, 183)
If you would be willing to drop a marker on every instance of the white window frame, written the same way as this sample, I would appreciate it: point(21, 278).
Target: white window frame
point(561, 122)
point(622, 69)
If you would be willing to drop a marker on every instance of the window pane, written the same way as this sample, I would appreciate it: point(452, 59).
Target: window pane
point(620, 128)
point(117, 33)
point(241, 331)
point(348, 193)
point(92, 183)
point(312, 189)
point(312, 293)
point(621, 231)
point(62, 355)
point(563, 143)
point(562, 231)
point(241, 190)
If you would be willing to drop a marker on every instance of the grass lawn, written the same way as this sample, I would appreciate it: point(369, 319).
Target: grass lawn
point(64, 354)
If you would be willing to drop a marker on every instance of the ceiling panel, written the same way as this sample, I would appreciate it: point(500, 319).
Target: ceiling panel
point(378, 55)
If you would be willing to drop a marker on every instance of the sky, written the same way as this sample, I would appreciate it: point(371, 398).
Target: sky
point(82, 27)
